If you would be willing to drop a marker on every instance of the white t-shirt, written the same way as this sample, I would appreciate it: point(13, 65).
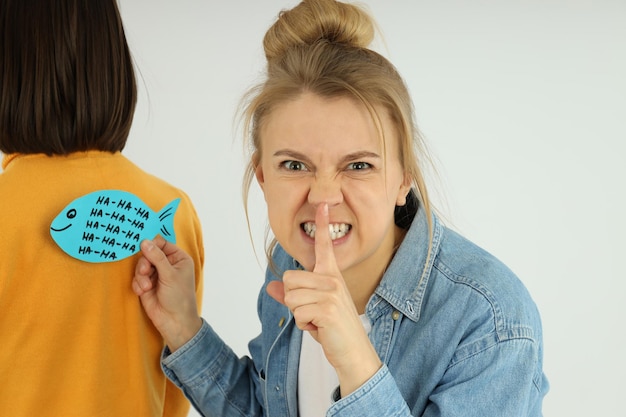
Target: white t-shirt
point(317, 379)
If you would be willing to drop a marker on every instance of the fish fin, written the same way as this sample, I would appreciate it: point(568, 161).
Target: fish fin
point(166, 218)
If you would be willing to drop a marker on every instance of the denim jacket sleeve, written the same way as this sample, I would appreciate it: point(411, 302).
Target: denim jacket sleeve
point(213, 378)
point(499, 381)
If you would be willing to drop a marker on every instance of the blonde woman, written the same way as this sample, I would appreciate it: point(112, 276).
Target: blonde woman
point(371, 306)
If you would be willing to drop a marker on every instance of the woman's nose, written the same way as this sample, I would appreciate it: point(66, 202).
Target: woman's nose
point(325, 190)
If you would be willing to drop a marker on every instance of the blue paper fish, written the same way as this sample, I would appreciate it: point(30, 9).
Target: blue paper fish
point(109, 225)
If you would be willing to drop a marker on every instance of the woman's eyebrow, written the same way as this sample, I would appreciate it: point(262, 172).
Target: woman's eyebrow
point(290, 153)
point(356, 156)
point(351, 157)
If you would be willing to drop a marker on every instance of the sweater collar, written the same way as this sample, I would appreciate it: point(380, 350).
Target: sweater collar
point(9, 158)
point(6, 159)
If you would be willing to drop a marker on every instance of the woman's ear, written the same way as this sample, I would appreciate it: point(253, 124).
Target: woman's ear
point(258, 169)
point(405, 188)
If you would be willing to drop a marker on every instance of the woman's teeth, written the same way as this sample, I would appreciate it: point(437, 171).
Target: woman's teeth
point(336, 230)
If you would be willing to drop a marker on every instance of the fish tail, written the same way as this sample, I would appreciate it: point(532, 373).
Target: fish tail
point(166, 220)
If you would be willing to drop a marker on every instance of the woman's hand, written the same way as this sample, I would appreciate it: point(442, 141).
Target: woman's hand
point(322, 305)
point(164, 281)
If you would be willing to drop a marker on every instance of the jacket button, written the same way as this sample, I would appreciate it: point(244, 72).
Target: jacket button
point(281, 322)
point(395, 315)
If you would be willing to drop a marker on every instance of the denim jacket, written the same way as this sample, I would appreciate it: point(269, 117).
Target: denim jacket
point(458, 335)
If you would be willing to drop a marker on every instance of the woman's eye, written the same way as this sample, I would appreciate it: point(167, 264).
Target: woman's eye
point(294, 166)
point(357, 166)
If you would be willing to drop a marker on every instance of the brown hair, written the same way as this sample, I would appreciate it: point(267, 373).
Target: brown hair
point(66, 77)
point(321, 46)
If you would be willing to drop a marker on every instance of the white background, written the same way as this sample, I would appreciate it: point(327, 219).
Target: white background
point(523, 104)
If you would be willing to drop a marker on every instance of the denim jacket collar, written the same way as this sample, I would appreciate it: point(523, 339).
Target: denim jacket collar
point(404, 283)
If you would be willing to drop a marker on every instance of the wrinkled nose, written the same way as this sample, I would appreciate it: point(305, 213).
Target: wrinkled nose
point(325, 190)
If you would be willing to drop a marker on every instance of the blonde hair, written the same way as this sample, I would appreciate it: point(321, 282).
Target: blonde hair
point(321, 46)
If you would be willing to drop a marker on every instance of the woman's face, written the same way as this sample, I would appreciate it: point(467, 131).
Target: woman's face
point(318, 150)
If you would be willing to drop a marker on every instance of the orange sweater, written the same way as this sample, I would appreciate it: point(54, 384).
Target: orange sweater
point(74, 340)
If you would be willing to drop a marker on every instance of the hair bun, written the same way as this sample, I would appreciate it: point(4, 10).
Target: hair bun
point(315, 20)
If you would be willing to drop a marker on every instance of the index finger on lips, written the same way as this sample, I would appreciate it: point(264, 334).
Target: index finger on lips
point(325, 261)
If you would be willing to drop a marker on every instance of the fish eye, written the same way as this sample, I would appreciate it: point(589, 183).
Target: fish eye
point(71, 214)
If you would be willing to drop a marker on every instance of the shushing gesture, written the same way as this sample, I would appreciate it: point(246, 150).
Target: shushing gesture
point(164, 281)
point(322, 305)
